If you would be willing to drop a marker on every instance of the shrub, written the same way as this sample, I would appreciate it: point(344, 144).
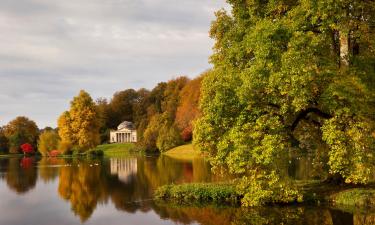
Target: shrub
point(54, 153)
point(27, 148)
point(199, 193)
point(168, 138)
point(48, 141)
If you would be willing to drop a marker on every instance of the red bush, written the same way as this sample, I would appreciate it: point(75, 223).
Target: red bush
point(54, 153)
point(27, 148)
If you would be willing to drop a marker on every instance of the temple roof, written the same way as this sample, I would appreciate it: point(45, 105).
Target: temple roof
point(125, 125)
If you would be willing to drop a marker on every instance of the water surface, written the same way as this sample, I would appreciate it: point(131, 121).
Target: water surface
point(119, 191)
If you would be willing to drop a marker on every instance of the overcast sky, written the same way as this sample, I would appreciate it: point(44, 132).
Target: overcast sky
point(50, 49)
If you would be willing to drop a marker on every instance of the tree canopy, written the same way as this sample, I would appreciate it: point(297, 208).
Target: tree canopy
point(290, 75)
point(19, 131)
point(79, 127)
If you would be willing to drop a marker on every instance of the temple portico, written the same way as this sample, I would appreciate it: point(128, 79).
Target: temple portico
point(125, 133)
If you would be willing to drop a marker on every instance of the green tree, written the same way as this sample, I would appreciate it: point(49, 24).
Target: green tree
point(79, 127)
point(48, 141)
point(121, 107)
point(4, 142)
point(284, 70)
point(20, 131)
point(104, 116)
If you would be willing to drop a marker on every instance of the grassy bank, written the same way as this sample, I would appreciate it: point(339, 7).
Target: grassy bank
point(206, 193)
point(184, 152)
point(314, 193)
point(116, 150)
point(354, 198)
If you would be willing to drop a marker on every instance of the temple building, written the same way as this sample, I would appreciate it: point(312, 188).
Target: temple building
point(125, 133)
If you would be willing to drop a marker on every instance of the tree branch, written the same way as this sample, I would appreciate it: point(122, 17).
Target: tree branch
point(303, 114)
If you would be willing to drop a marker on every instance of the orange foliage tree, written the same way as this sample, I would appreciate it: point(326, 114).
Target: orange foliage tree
point(188, 109)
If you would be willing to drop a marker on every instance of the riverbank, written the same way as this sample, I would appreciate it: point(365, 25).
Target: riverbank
point(184, 152)
point(348, 197)
point(115, 150)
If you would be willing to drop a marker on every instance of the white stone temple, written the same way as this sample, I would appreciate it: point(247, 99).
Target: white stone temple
point(125, 133)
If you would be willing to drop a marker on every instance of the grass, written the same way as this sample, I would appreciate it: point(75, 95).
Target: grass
point(357, 197)
point(184, 152)
point(345, 197)
point(116, 150)
point(199, 193)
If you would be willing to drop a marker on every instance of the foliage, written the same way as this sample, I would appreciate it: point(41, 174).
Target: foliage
point(188, 109)
point(357, 197)
point(19, 131)
point(199, 193)
point(4, 145)
point(160, 132)
point(27, 148)
point(121, 107)
point(169, 137)
point(48, 141)
point(54, 153)
point(290, 75)
point(79, 127)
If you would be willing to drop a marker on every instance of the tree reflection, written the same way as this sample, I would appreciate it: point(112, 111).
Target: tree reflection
point(81, 184)
point(21, 174)
point(49, 168)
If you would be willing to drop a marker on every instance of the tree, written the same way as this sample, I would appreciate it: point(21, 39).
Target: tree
point(284, 70)
point(4, 145)
point(48, 141)
point(121, 107)
point(104, 116)
point(188, 109)
point(27, 148)
point(20, 131)
point(169, 137)
point(79, 127)
point(165, 99)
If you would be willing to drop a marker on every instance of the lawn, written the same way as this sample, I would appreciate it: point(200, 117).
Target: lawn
point(117, 149)
point(184, 152)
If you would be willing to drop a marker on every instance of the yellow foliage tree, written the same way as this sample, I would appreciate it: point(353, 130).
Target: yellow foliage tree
point(48, 141)
point(79, 127)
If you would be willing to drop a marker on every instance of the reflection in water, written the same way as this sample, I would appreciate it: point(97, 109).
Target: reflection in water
point(128, 184)
point(125, 168)
point(21, 175)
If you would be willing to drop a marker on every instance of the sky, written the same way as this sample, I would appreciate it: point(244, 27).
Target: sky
point(51, 49)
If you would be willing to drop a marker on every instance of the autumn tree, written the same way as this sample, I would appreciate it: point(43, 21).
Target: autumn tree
point(48, 141)
point(162, 115)
point(79, 127)
point(20, 131)
point(4, 145)
point(290, 74)
point(188, 109)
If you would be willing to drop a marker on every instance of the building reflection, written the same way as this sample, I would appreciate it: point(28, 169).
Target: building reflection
point(124, 168)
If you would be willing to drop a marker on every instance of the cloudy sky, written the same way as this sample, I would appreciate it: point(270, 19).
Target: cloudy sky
point(50, 49)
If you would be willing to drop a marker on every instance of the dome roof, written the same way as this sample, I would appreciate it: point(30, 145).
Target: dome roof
point(125, 124)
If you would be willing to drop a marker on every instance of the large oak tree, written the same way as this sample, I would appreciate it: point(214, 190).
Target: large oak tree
point(290, 74)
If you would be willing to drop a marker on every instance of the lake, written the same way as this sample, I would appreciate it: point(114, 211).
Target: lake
point(119, 191)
